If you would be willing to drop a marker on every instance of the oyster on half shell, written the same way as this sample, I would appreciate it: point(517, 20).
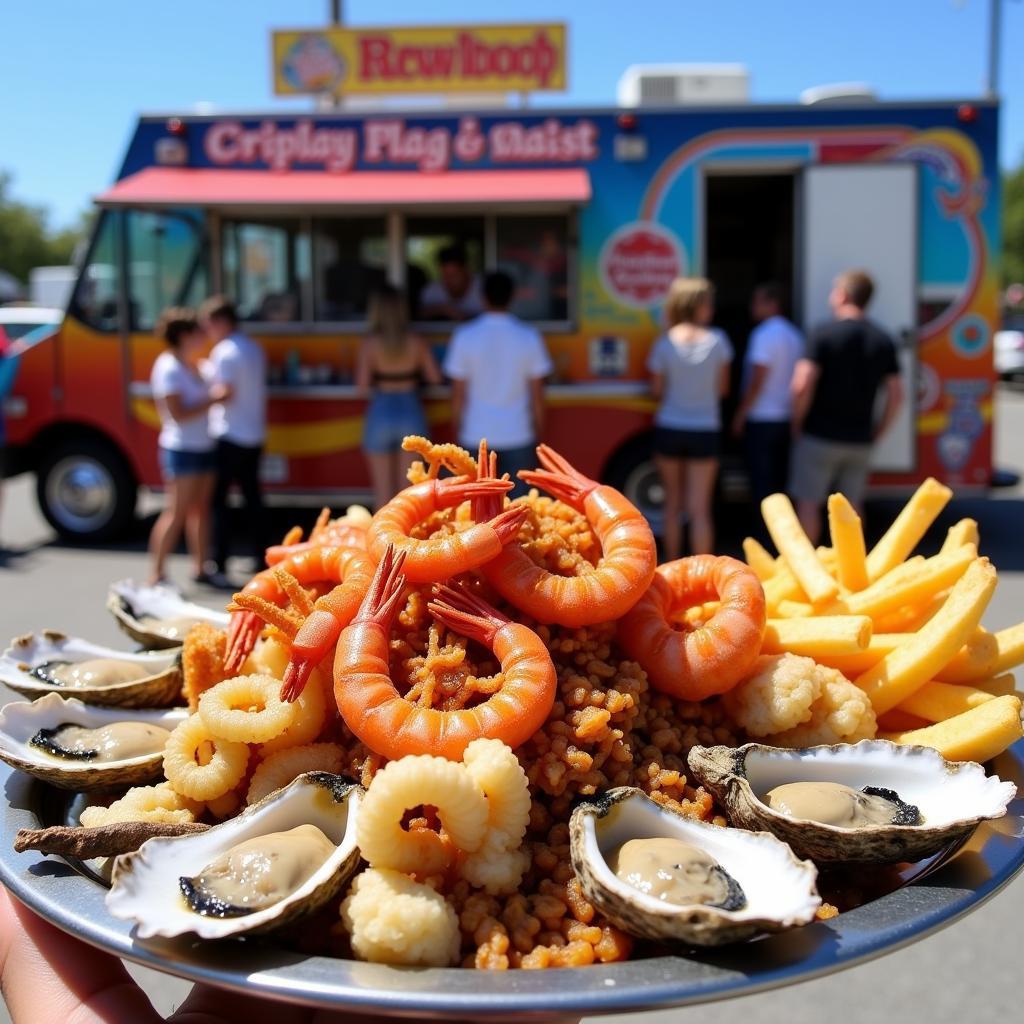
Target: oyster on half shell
point(767, 888)
point(39, 663)
point(159, 884)
point(157, 616)
point(23, 722)
point(952, 798)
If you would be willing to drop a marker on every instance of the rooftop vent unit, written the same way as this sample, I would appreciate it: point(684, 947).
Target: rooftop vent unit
point(838, 94)
point(664, 85)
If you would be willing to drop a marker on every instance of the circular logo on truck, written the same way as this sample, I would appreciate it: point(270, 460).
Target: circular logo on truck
point(312, 64)
point(639, 262)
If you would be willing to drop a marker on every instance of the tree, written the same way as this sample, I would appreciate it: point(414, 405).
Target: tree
point(1013, 226)
point(26, 240)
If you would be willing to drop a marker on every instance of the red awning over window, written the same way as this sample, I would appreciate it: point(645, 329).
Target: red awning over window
point(179, 186)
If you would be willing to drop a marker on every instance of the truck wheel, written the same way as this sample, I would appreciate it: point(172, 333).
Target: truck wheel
point(631, 470)
point(86, 490)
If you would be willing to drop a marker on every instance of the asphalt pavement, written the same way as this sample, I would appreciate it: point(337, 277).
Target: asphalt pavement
point(968, 972)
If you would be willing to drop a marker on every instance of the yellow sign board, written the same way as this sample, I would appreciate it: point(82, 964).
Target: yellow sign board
point(457, 58)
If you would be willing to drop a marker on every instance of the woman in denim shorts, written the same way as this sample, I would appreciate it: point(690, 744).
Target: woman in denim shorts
point(393, 363)
point(689, 368)
point(183, 392)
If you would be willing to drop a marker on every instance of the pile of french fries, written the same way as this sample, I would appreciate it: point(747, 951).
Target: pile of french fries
point(904, 628)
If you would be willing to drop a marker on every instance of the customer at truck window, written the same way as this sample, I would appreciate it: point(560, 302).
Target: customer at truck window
point(238, 423)
point(835, 387)
point(763, 419)
point(497, 365)
point(393, 363)
point(455, 294)
point(184, 390)
point(689, 368)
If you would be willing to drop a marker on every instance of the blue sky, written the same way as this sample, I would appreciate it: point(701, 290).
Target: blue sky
point(73, 75)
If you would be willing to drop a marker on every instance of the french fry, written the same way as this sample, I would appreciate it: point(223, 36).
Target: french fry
point(911, 618)
point(976, 735)
point(782, 587)
point(965, 531)
point(758, 559)
point(792, 543)
point(908, 527)
point(817, 637)
point(848, 543)
point(914, 663)
point(794, 610)
point(900, 721)
point(998, 686)
point(991, 657)
point(935, 702)
point(910, 584)
point(853, 665)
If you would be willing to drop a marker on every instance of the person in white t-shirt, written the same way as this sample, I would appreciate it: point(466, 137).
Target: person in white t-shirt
point(497, 365)
point(184, 390)
point(763, 418)
point(238, 425)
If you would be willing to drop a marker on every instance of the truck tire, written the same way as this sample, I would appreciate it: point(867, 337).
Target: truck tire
point(86, 490)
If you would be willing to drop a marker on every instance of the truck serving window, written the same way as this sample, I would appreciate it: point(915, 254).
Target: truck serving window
point(265, 269)
point(444, 261)
point(534, 250)
point(165, 263)
point(350, 260)
point(94, 301)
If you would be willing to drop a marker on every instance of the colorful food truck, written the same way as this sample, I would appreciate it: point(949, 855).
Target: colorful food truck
point(594, 212)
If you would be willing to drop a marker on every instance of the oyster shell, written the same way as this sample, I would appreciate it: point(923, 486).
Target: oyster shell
point(146, 885)
point(953, 797)
point(21, 721)
point(139, 610)
point(21, 663)
point(778, 891)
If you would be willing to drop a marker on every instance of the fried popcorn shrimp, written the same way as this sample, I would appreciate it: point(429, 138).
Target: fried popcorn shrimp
point(281, 768)
point(437, 457)
point(842, 714)
point(145, 803)
point(778, 696)
point(202, 660)
point(411, 782)
point(500, 863)
point(246, 709)
point(201, 765)
point(395, 920)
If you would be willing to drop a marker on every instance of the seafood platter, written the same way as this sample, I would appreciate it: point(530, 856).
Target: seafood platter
point(470, 733)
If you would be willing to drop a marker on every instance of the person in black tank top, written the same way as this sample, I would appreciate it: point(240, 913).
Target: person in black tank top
point(835, 387)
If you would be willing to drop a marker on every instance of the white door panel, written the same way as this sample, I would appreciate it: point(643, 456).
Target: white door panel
point(865, 216)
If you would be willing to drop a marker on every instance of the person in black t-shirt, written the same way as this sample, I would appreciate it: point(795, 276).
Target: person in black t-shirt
point(835, 388)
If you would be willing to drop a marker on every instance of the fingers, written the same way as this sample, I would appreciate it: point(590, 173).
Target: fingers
point(49, 977)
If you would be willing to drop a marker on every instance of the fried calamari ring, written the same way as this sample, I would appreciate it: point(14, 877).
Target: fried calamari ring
point(394, 920)
point(310, 710)
point(199, 764)
point(500, 863)
point(246, 709)
point(281, 768)
point(159, 803)
point(411, 782)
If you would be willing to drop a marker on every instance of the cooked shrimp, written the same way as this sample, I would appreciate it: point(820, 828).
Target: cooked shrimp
point(620, 577)
point(392, 726)
point(347, 566)
point(713, 658)
point(326, 532)
point(428, 561)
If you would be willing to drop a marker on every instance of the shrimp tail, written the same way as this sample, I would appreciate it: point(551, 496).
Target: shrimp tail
point(243, 632)
point(506, 524)
point(319, 633)
point(385, 591)
point(559, 478)
point(452, 491)
point(465, 613)
point(485, 508)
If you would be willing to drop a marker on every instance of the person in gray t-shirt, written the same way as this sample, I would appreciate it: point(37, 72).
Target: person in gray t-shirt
point(689, 367)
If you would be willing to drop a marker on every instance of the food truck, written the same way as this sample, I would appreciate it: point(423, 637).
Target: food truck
point(298, 217)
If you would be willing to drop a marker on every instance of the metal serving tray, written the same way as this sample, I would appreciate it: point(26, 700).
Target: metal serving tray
point(924, 898)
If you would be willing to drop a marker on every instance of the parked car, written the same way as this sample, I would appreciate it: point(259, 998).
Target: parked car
point(1009, 350)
